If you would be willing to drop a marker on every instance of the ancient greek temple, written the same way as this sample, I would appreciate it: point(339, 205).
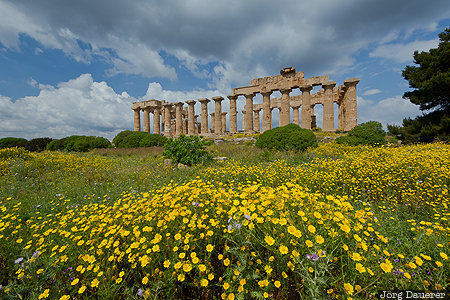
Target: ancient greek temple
point(173, 119)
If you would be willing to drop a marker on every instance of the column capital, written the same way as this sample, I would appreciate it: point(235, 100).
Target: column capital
point(329, 84)
point(136, 109)
point(306, 88)
point(212, 114)
point(167, 104)
point(251, 95)
point(204, 100)
point(179, 104)
point(232, 97)
point(224, 113)
point(147, 109)
point(266, 93)
point(285, 91)
point(190, 102)
point(257, 110)
point(217, 98)
point(351, 82)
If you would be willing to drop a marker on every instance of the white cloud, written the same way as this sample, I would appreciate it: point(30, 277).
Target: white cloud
point(78, 106)
point(371, 92)
point(403, 52)
point(388, 111)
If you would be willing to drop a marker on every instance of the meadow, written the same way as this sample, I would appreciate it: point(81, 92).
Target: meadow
point(335, 222)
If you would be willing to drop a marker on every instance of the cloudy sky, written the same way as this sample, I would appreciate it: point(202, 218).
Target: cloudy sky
point(75, 67)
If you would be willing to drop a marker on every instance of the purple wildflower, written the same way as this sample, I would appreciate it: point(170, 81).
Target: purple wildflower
point(140, 293)
point(19, 260)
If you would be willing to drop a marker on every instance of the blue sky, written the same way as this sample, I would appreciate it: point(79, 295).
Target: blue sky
point(75, 67)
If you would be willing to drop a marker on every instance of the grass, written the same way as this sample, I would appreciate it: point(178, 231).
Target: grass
point(335, 222)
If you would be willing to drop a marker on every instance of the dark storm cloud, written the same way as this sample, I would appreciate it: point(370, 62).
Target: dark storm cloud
point(245, 37)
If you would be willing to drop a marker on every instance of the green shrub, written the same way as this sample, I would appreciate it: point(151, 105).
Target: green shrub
point(9, 142)
point(38, 144)
point(120, 136)
point(152, 140)
point(423, 129)
point(188, 150)
point(56, 145)
point(369, 133)
point(100, 142)
point(132, 140)
point(289, 137)
point(79, 143)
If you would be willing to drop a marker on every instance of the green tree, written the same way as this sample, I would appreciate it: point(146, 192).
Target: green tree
point(430, 81)
point(431, 78)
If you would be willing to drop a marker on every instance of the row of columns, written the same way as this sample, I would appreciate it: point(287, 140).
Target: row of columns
point(251, 118)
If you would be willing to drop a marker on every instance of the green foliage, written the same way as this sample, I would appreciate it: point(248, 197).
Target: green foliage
point(423, 129)
point(38, 144)
point(289, 137)
point(132, 140)
point(79, 143)
point(120, 136)
point(9, 142)
point(369, 133)
point(56, 145)
point(188, 150)
point(152, 140)
point(431, 78)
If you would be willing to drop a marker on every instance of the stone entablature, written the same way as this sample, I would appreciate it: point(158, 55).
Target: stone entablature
point(172, 119)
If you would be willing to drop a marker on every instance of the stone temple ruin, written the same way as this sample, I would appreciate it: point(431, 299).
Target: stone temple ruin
point(173, 119)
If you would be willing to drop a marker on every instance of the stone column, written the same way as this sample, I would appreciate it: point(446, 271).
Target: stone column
point(224, 122)
point(306, 107)
point(185, 126)
point(218, 113)
point(191, 116)
point(295, 117)
point(178, 118)
point(213, 122)
point(249, 113)
point(167, 118)
point(244, 119)
point(233, 113)
point(270, 122)
point(156, 121)
point(341, 120)
point(267, 112)
point(256, 124)
point(146, 122)
point(350, 103)
point(137, 119)
point(285, 111)
point(204, 115)
point(328, 109)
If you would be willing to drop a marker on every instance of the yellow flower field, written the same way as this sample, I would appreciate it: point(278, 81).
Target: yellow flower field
point(346, 222)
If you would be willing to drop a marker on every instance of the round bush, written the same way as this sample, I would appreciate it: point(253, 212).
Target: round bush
point(188, 150)
point(289, 137)
point(132, 140)
point(369, 133)
point(56, 145)
point(79, 143)
point(152, 140)
point(9, 142)
point(120, 136)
